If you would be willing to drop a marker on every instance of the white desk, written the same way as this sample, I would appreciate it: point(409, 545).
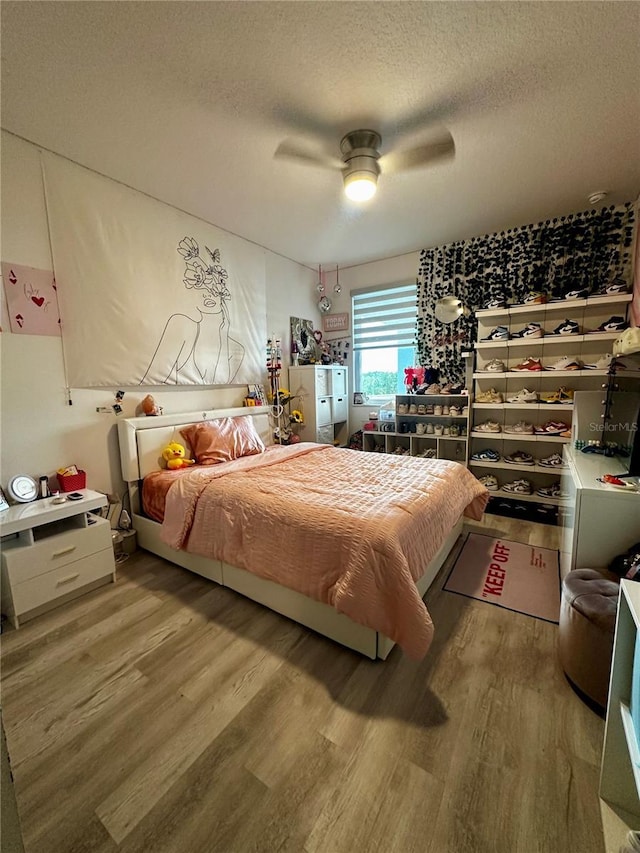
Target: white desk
point(598, 522)
point(52, 553)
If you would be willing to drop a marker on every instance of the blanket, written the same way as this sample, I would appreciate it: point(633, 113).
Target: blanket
point(353, 530)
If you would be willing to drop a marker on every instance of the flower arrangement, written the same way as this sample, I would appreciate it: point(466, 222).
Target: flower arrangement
point(296, 417)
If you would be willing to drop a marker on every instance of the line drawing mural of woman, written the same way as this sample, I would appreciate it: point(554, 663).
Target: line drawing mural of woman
point(200, 350)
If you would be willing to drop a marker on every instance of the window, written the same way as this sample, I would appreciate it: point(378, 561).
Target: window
point(384, 331)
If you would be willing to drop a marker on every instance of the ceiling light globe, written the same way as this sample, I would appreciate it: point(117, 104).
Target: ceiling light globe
point(360, 187)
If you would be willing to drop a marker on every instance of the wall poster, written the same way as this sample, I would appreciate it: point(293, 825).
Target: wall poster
point(150, 295)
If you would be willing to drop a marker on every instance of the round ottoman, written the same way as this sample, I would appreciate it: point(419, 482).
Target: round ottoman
point(587, 624)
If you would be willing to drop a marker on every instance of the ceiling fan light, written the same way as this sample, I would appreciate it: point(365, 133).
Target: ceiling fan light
point(360, 186)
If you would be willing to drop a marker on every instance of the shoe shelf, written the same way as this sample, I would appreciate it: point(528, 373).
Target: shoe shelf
point(533, 407)
point(511, 436)
point(548, 340)
point(555, 307)
point(502, 493)
point(509, 374)
point(513, 466)
point(590, 313)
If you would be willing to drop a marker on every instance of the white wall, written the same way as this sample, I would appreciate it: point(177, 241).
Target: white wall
point(401, 269)
point(39, 431)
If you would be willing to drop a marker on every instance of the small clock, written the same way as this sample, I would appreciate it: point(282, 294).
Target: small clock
point(22, 488)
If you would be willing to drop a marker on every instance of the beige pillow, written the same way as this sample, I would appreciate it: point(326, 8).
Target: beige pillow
point(223, 439)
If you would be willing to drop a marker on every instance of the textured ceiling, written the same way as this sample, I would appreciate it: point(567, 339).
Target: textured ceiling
point(189, 100)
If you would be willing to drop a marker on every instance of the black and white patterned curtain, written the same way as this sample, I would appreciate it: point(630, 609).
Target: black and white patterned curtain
point(582, 250)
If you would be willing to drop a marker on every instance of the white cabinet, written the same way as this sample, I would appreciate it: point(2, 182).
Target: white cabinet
point(585, 347)
point(598, 522)
point(320, 392)
point(53, 552)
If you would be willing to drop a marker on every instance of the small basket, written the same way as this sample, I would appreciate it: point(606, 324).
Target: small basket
point(72, 482)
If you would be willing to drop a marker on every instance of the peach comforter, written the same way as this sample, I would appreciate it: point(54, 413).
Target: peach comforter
point(353, 530)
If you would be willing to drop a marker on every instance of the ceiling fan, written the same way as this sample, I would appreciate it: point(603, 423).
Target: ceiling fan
point(361, 162)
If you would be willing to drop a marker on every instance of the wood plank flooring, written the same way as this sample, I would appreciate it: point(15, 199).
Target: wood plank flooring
point(167, 714)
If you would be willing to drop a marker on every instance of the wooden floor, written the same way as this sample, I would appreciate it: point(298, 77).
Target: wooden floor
point(166, 713)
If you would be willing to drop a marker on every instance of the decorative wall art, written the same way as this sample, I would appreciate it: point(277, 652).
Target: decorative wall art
point(335, 323)
point(150, 295)
point(32, 300)
point(583, 250)
point(303, 341)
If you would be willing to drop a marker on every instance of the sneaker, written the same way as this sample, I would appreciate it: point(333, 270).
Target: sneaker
point(529, 364)
point(494, 366)
point(552, 491)
point(580, 293)
point(569, 327)
point(614, 288)
point(490, 396)
point(519, 428)
point(488, 426)
point(488, 455)
point(523, 396)
point(603, 363)
point(518, 487)
point(565, 362)
point(531, 330)
point(552, 428)
point(553, 461)
point(562, 395)
point(613, 324)
point(535, 297)
point(438, 429)
point(454, 411)
point(433, 389)
point(519, 457)
point(500, 333)
point(489, 482)
point(496, 302)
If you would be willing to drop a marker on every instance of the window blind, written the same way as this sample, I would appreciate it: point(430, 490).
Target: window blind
point(385, 318)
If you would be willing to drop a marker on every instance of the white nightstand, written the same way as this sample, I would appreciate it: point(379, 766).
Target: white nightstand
point(52, 553)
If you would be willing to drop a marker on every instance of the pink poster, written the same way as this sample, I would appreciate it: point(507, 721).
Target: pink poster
point(32, 302)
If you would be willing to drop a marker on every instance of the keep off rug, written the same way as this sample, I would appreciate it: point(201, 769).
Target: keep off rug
point(524, 578)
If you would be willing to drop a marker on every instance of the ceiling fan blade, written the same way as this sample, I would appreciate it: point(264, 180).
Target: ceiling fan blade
point(423, 155)
point(292, 149)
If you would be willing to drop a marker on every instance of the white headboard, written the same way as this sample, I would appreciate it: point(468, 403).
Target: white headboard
point(143, 439)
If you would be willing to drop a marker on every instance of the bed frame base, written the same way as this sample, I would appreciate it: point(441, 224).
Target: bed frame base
point(312, 614)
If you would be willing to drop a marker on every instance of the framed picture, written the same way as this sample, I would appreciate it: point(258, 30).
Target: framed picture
point(3, 501)
point(358, 399)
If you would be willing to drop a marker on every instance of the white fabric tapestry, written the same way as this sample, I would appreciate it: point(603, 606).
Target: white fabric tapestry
point(149, 295)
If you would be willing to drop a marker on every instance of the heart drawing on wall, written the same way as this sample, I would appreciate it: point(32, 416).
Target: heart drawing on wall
point(39, 300)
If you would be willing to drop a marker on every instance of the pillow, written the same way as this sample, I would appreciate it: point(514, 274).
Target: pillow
point(223, 439)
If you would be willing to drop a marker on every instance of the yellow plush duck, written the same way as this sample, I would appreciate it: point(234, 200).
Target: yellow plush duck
point(173, 455)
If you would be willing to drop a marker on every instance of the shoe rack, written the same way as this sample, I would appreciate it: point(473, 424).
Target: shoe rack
point(585, 347)
point(407, 429)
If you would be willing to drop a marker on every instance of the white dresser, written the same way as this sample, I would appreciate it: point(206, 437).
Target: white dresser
point(52, 553)
point(321, 394)
point(598, 522)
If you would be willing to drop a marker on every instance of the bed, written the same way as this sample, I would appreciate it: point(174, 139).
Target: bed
point(345, 543)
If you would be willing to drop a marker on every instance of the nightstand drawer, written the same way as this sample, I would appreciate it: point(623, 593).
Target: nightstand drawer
point(25, 562)
point(45, 588)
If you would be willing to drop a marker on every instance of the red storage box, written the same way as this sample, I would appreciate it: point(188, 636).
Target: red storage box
point(73, 482)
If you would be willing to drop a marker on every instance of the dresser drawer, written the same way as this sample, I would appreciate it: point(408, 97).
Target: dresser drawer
point(47, 587)
point(25, 562)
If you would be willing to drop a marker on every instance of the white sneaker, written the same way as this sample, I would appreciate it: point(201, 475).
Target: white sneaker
point(489, 482)
point(565, 363)
point(518, 487)
point(603, 363)
point(494, 366)
point(523, 396)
